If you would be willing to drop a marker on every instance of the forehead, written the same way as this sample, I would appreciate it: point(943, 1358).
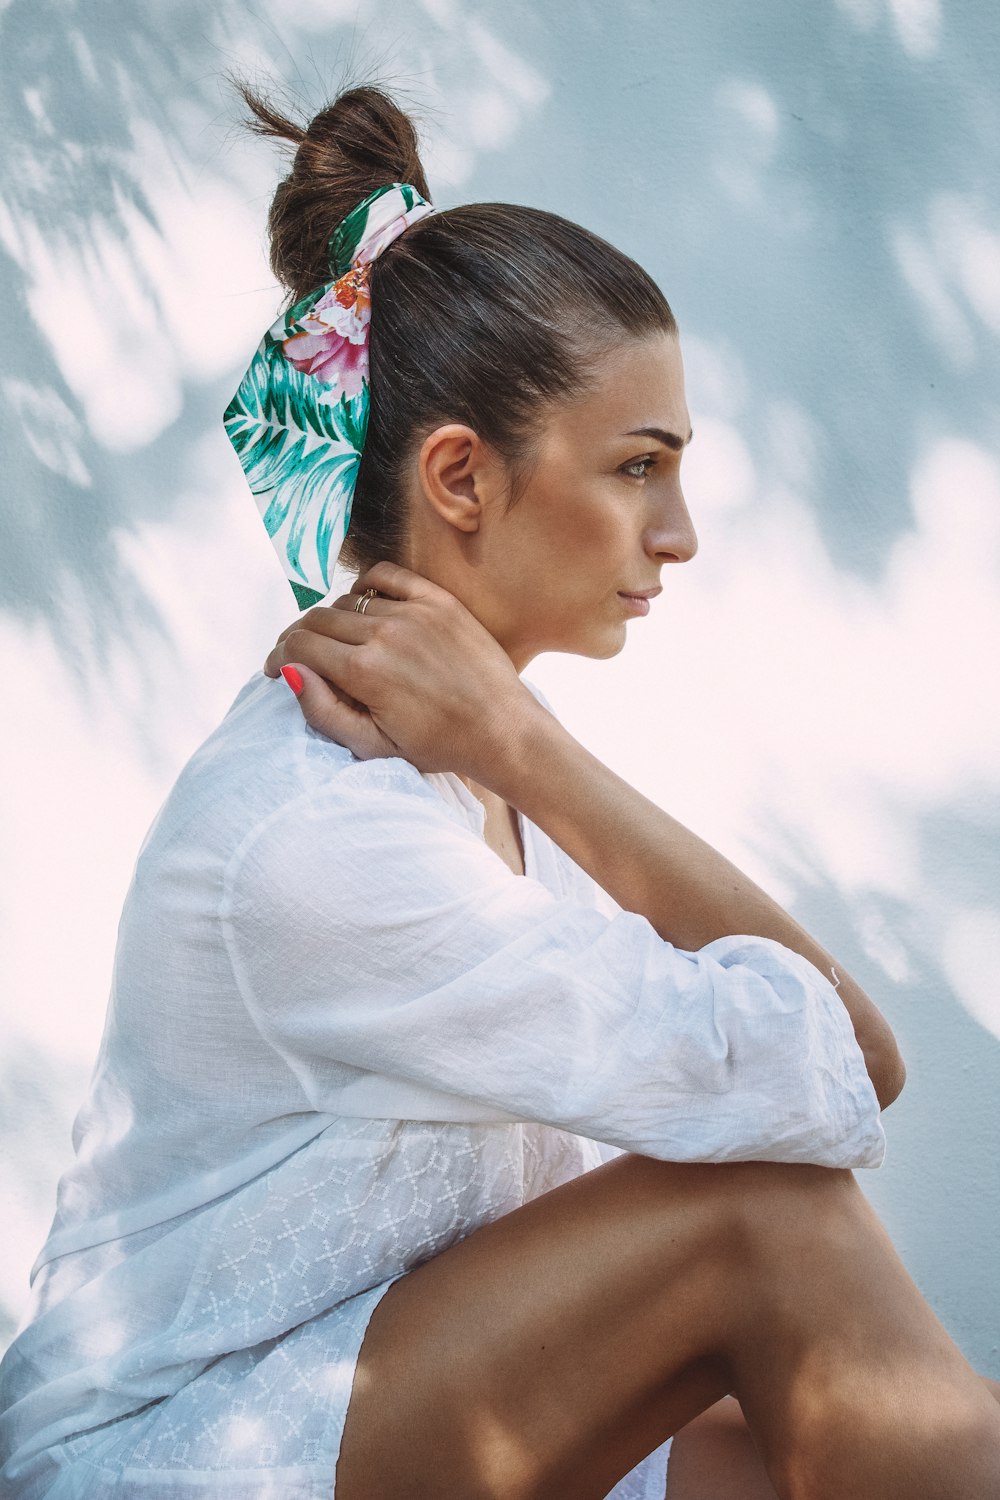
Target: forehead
point(638, 383)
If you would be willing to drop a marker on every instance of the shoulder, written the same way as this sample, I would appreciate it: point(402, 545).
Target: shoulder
point(374, 854)
point(382, 809)
point(260, 758)
point(306, 811)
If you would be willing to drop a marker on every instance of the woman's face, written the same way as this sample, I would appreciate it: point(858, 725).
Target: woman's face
point(600, 513)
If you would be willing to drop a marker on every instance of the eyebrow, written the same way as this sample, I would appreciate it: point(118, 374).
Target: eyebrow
point(668, 439)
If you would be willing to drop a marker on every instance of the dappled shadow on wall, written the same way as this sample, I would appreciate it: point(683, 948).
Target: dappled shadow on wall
point(846, 157)
point(76, 86)
point(921, 952)
point(131, 243)
point(815, 189)
point(40, 1093)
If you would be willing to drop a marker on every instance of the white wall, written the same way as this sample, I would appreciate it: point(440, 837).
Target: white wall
point(814, 187)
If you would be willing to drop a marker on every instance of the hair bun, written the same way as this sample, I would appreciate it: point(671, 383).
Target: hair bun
point(360, 142)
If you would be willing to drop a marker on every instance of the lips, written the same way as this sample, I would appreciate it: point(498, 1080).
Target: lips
point(643, 594)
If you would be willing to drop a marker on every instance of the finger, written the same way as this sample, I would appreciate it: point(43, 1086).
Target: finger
point(324, 711)
point(272, 664)
point(396, 581)
point(324, 654)
point(305, 638)
point(313, 619)
point(376, 605)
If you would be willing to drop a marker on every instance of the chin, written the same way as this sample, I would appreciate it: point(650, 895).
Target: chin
point(614, 650)
point(601, 647)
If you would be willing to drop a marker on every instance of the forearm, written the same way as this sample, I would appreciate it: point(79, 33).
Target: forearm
point(651, 864)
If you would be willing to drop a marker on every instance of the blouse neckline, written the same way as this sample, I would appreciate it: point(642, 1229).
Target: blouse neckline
point(454, 789)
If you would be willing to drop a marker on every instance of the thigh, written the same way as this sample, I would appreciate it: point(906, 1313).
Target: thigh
point(551, 1350)
point(715, 1458)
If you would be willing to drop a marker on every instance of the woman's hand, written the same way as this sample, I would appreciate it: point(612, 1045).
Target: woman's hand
point(415, 675)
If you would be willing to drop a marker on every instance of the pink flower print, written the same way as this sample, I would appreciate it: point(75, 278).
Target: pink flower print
point(378, 242)
point(331, 342)
point(348, 304)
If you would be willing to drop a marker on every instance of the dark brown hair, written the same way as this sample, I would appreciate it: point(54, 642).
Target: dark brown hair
point(481, 314)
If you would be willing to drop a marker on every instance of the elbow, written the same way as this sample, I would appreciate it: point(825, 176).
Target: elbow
point(888, 1078)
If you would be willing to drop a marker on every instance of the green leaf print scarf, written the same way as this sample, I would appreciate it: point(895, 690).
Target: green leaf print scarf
point(299, 417)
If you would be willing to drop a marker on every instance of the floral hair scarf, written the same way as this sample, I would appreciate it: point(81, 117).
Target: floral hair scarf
point(299, 417)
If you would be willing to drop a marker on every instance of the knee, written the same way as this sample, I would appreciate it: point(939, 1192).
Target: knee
point(788, 1202)
point(736, 1213)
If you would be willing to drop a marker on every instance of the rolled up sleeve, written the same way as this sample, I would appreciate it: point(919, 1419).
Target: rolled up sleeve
point(369, 930)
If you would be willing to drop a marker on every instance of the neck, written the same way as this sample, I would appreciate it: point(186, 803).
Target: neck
point(453, 574)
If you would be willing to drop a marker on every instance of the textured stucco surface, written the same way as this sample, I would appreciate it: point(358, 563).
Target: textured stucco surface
point(815, 188)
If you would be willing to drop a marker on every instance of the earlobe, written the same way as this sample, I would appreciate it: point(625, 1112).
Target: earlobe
point(452, 466)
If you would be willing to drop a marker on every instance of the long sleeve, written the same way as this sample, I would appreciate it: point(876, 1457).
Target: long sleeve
point(370, 931)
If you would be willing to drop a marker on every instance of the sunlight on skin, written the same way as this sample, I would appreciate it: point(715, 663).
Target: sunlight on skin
point(714, 1457)
point(504, 1464)
point(949, 1421)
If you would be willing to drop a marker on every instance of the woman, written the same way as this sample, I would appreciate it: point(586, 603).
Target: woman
point(392, 967)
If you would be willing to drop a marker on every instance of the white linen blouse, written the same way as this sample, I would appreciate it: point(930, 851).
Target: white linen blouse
point(343, 1034)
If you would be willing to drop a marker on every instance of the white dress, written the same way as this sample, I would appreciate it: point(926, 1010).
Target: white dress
point(343, 1034)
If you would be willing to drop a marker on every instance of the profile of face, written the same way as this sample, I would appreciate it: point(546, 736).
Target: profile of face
point(599, 513)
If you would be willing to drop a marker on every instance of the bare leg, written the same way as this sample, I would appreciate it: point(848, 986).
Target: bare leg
point(551, 1350)
point(715, 1457)
point(882, 1402)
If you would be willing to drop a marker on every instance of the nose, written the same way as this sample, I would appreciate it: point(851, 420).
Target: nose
point(671, 536)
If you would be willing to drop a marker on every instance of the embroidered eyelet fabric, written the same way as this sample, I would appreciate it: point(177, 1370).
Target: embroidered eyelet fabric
point(342, 1036)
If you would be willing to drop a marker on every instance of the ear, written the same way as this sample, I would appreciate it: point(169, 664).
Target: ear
point(459, 474)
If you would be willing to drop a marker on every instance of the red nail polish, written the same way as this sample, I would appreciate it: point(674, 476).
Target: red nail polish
point(293, 677)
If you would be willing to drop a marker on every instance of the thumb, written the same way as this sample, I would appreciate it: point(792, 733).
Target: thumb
point(325, 711)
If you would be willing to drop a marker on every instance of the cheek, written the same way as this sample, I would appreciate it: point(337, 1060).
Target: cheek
point(596, 541)
point(570, 540)
point(588, 522)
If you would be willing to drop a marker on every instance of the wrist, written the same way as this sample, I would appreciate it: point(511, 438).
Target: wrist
point(523, 734)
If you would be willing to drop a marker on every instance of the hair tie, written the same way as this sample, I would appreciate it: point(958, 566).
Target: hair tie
point(299, 417)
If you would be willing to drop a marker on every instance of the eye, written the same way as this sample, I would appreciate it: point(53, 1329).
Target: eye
point(643, 465)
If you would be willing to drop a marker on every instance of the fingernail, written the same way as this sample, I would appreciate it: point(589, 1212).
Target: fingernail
point(293, 677)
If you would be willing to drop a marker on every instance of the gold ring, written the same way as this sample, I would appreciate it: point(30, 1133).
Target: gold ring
point(364, 600)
